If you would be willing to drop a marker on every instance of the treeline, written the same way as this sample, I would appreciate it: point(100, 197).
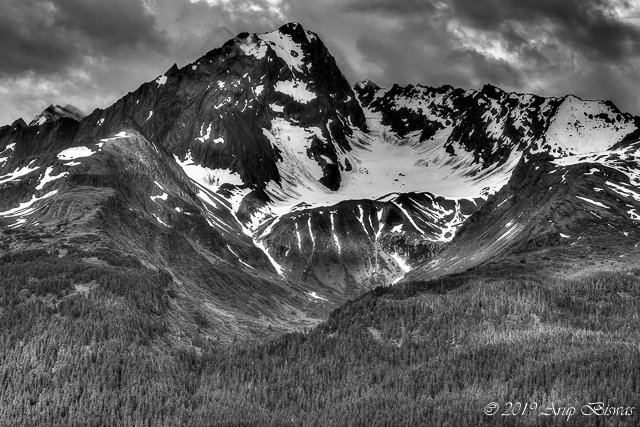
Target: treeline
point(40, 273)
point(425, 354)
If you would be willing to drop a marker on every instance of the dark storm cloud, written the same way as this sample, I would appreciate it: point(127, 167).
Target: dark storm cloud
point(48, 37)
point(90, 52)
point(397, 7)
point(28, 41)
point(554, 47)
point(487, 69)
point(110, 25)
point(588, 26)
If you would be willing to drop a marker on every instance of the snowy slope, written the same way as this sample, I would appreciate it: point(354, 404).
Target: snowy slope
point(476, 137)
point(585, 126)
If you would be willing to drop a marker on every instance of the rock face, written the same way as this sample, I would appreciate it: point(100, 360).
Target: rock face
point(364, 243)
point(271, 190)
point(491, 124)
point(229, 109)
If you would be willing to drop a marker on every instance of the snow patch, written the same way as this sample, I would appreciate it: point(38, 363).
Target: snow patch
point(313, 238)
point(25, 207)
point(204, 136)
point(252, 47)
point(295, 90)
point(239, 259)
point(48, 177)
point(119, 135)
point(211, 179)
point(504, 201)
point(316, 296)
point(164, 196)
point(161, 221)
point(20, 172)
point(284, 46)
point(75, 153)
point(333, 231)
point(260, 245)
point(512, 230)
point(592, 171)
point(593, 202)
point(204, 196)
point(9, 147)
point(401, 262)
point(627, 192)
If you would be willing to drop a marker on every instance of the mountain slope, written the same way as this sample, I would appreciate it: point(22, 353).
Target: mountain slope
point(586, 205)
point(268, 122)
point(125, 194)
point(292, 176)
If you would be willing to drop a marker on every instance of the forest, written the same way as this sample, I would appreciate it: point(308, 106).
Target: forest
point(86, 339)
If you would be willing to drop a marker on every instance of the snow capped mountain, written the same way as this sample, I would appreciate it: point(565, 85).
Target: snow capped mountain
point(571, 206)
point(478, 136)
point(487, 133)
point(259, 168)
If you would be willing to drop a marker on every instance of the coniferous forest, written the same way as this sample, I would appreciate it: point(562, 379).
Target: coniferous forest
point(91, 344)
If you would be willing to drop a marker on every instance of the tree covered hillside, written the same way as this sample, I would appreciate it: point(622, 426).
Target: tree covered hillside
point(93, 343)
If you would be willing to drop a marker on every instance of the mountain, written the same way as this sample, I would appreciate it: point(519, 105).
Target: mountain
point(285, 187)
point(573, 205)
point(251, 240)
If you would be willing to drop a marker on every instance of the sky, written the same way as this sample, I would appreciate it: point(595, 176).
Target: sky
point(89, 53)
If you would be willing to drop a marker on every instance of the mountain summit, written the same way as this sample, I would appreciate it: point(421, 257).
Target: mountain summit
point(56, 112)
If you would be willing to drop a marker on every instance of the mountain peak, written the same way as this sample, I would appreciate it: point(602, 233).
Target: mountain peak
point(366, 84)
point(295, 31)
point(55, 112)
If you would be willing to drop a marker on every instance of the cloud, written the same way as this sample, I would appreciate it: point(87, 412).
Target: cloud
point(90, 52)
point(397, 7)
point(52, 36)
point(595, 28)
point(590, 47)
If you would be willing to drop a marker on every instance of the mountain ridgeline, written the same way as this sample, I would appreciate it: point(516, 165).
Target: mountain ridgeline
point(251, 240)
point(257, 173)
